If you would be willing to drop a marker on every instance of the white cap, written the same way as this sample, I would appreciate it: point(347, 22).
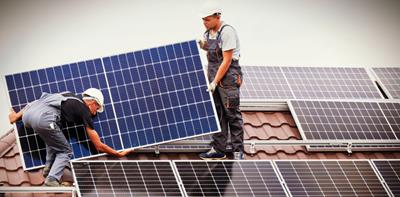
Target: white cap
point(95, 94)
point(209, 8)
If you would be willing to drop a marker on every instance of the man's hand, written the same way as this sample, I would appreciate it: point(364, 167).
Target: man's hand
point(124, 152)
point(211, 87)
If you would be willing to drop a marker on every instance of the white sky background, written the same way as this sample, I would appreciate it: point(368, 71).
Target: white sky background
point(44, 33)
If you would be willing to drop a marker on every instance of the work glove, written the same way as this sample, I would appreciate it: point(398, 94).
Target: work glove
point(202, 43)
point(211, 87)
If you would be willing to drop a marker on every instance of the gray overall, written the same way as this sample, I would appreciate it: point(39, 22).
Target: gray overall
point(43, 116)
point(226, 97)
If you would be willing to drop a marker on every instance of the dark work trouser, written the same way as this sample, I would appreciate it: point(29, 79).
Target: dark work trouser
point(227, 105)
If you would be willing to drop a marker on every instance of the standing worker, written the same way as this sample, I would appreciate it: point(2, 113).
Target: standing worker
point(45, 115)
point(225, 76)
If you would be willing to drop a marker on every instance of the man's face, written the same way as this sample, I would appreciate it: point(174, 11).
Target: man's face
point(210, 22)
point(93, 107)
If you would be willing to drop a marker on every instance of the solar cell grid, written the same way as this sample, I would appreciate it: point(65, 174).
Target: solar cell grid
point(283, 83)
point(229, 178)
point(125, 178)
point(345, 120)
point(330, 178)
point(390, 172)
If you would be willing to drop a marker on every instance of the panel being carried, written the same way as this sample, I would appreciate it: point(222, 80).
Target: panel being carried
point(152, 96)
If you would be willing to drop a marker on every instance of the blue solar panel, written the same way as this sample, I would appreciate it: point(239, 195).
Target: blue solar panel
point(152, 96)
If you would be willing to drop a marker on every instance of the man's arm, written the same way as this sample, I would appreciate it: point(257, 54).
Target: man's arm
point(226, 62)
point(100, 146)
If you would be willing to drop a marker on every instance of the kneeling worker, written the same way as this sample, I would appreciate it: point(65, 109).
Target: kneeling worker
point(45, 115)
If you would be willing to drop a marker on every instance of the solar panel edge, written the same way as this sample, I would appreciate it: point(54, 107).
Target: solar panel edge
point(14, 125)
point(381, 175)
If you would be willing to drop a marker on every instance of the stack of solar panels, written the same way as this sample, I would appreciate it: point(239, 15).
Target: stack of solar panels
point(152, 96)
point(238, 178)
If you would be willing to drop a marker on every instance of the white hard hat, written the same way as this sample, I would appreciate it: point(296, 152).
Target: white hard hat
point(93, 93)
point(209, 8)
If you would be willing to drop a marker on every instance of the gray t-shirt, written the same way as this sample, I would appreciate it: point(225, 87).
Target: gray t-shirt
point(229, 40)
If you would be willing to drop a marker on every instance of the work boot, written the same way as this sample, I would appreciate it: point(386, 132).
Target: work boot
point(51, 182)
point(212, 155)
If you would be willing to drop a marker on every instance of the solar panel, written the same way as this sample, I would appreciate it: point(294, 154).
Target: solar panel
point(28, 86)
point(345, 120)
point(152, 96)
point(331, 83)
point(389, 79)
point(283, 83)
point(125, 178)
point(330, 178)
point(390, 172)
point(229, 178)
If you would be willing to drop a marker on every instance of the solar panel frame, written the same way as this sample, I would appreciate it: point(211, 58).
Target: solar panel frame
point(288, 184)
point(183, 52)
point(266, 180)
point(121, 162)
point(389, 176)
point(389, 80)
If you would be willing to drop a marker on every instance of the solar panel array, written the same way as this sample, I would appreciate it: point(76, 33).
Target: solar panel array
point(152, 96)
point(238, 178)
point(347, 120)
point(125, 178)
point(283, 83)
point(389, 79)
point(390, 172)
point(330, 178)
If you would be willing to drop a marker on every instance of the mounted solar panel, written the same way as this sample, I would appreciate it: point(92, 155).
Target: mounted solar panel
point(125, 178)
point(352, 121)
point(390, 172)
point(152, 96)
point(263, 83)
point(229, 178)
point(77, 77)
point(389, 80)
point(331, 83)
point(330, 178)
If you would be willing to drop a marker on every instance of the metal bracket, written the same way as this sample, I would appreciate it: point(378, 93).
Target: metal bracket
point(349, 146)
point(252, 148)
point(157, 149)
